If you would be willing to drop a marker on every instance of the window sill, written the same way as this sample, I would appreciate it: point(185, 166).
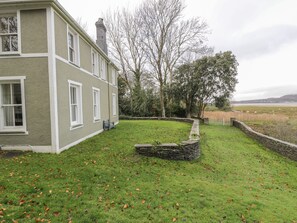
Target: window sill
point(14, 133)
point(74, 64)
point(96, 120)
point(78, 126)
point(10, 54)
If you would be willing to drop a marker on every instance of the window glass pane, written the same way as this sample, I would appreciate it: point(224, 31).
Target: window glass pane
point(6, 94)
point(5, 43)
point(95, 97)
point(71, 55)
point(3, 25)
point(18, 115)
point(14, 43)
point(13, 25)
point(70, 39)
point(17, 94)
point(8, 116)
point(95, 111)
point(74, 113)
point(73, 95)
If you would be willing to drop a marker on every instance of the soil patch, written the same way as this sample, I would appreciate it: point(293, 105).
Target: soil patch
point(10, 154)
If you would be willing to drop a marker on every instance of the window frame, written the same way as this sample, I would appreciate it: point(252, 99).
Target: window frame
point(12, 129)
point(18, 33)
point(79, 122)
point(74, 48)
point(114, 104)
point(97, 117)
point(95, 65)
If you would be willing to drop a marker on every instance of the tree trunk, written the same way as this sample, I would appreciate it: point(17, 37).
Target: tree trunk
point(162, 103)
point(200, 110)
point(188, 109)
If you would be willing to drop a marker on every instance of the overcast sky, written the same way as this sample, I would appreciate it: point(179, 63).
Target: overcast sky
point(261, 33)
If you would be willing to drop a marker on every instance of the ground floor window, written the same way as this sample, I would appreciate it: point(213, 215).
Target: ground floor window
point(114, 104)
point(12, 104)
point(96, 104)
point(75, 98)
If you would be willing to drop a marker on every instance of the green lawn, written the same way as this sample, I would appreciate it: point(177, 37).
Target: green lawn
point(103, 180)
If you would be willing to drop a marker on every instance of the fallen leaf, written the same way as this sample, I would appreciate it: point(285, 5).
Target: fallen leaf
point(243, 218)
point(22, 202)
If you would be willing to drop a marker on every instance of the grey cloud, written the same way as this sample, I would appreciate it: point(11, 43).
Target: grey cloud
point(231, 15)
point(263, 41)
point(266, 92)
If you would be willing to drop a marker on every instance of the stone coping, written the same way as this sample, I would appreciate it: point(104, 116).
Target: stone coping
point(286, 149)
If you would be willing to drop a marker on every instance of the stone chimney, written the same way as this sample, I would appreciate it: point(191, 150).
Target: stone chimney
point(101, 35)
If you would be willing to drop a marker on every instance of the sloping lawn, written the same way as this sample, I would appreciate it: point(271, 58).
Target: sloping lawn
point(103, 180)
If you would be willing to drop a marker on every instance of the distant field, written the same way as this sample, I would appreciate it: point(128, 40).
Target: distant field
point(276, 121)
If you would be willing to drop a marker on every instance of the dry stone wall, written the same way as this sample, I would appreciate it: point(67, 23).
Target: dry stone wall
point(186, 150)
point(284, 148)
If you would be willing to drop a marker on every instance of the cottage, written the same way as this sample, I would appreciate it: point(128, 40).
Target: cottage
point(57, 85)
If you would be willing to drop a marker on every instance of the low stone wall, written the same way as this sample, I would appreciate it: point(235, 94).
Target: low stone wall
point(188, 120)
point(284, 148)
point(186, 150)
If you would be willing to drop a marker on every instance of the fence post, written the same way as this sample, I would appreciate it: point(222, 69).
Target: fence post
point(232, 121)
point(206, 121)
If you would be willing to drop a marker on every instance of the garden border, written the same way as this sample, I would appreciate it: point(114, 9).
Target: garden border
point(286, 149)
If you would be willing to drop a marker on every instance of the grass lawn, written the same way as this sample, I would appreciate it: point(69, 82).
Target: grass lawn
point(103, 180)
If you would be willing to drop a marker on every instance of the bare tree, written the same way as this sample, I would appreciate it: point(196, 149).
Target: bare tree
point(167, 38)
point(126, 46)
point(152, 41)
point(84, 25)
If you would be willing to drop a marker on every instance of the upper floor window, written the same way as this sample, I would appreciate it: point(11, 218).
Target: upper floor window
point(95, 68)
point(103, 68)
point(12, 106)
point(113, 77)
point(9, 34)
point(73, 50)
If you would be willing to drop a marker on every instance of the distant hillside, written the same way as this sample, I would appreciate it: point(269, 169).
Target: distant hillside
point(284, 99)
